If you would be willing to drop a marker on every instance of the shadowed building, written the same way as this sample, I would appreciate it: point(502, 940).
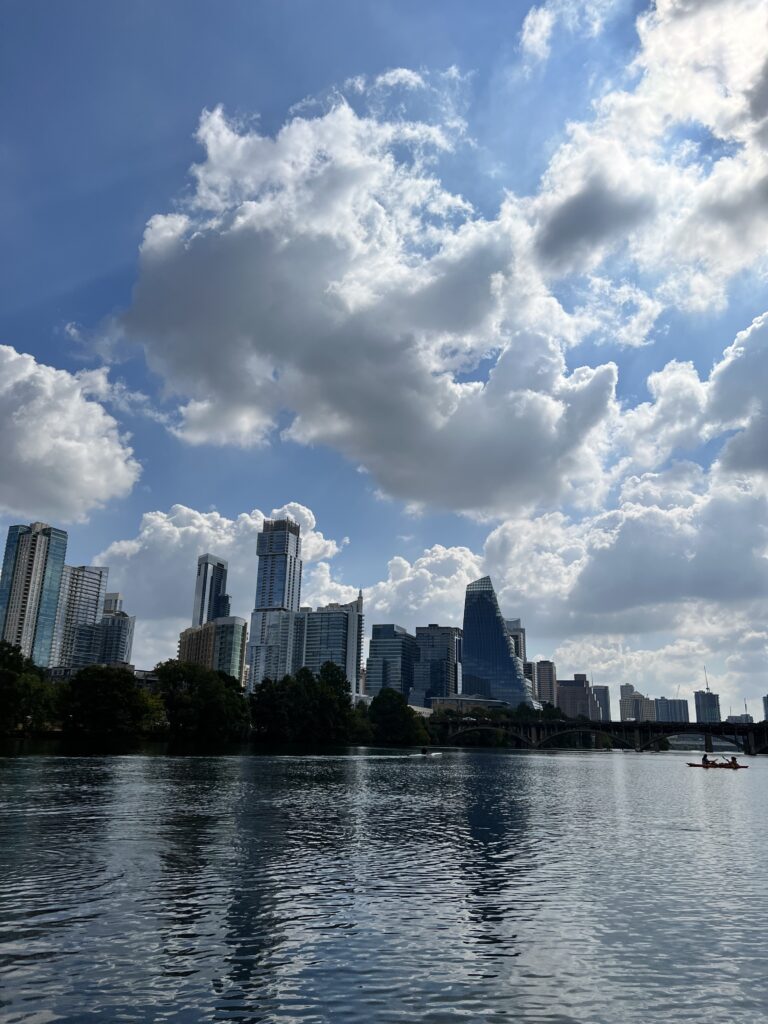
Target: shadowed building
point(437, 673)
point(109, 641)
point(30, 585)
point(211, 599)
point(218, 645)
point(634, 706)
point(603, 697)
point(546, 682)
point(707, 706)
point(81, 603)
point(391, 659)
point(671, 710)
point(575, 698)
point(332, 633)
point(490, 667)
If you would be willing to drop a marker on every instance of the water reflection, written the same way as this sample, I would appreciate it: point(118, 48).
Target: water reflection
point(480, 886)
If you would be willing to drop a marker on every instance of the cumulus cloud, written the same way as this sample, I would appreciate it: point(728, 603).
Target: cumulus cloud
point(62, 454)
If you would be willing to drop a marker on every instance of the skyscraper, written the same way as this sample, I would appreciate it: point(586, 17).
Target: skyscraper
point(211, 600)
point(81, 603)
point(634, 706)
point(218, 645)
point(332, 633)
point(278, 596)
point(437, 673)
point(29, 588)
point(707, 706)
point(490, 666)
point(671, 710)
point(391, 658)
point(765, 708)
point(546, 682)
point(603, 697)
point(517, 632)
point(109, 641)
point(576, 699)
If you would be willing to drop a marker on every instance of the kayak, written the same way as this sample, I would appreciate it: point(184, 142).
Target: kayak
point(733, 767)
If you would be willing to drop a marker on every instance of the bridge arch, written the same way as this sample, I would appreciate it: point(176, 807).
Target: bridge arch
point(542, 744)
point(490, 728)
point(736, 741)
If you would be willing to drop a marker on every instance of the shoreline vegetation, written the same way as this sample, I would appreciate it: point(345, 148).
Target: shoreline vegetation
point(192, 709)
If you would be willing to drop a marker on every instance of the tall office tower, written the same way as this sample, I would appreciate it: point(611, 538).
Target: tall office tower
point(671, 710)
point(765, 708)
point(29, 588)
point(529, 671)
point(218, 645)
point(81, 603)
point(109, 641)
point(575, 698)
point(634, 707)
point(517, 632)
point(391, 658)
point(332, 633)
point(211, 599)
point(437, 673)
point(546, 681)
point(603, 697)
point(278, 596)
point(707, 706)
point(490, 667)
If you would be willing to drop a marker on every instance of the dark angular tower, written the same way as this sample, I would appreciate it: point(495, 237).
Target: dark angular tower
point(490, 665)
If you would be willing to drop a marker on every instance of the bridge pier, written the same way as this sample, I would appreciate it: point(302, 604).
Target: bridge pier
point(708, 742)
point(749, 744)
point(638, 741)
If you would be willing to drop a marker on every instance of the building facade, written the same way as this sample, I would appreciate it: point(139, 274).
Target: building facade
point(332, 633)
point(81, 603)
point(490, 666)
point(602, 695)
point(218, 645)
point(211, 599)
point(271, 650)
point(671, 710)
point(575, 698)
point(634, 706)
point(765, 708)
point(30, 584)
point(707, 706)
point(109, 641)
point(546, 682)
point(391, 659)
point(516, 631)
point(437, 673)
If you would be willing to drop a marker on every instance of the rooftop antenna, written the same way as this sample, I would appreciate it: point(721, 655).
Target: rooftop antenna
point(706, 679)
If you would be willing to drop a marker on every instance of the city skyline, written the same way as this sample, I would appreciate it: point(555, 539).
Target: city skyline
point(476, 293)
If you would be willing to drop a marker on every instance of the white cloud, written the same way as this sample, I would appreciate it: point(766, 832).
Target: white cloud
point(582, 16)
point(62, 454)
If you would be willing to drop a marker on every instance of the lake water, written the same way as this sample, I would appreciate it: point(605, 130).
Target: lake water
point(475, 886)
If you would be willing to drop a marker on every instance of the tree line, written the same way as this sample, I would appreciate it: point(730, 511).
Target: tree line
point(191, 704)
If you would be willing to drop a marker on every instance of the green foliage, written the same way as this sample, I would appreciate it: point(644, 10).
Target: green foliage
point(394, 723)
point(27, 702)
point(202, 705)
point(105, 703)
point(304, 709)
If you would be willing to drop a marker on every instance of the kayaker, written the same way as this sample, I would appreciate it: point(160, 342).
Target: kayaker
point(734, 763)
point(705, 762)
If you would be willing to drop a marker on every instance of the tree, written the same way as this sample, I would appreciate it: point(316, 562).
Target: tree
point(393, 722)
point(106, 703)
point(201, 704)
point(304, 708)
point(27, 702)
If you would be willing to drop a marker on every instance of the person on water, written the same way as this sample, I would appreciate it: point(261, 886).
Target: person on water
point(734, 763)
point(705, 762)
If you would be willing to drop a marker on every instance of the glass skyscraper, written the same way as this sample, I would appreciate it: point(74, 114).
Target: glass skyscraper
point(391, 658)
point(29, 588)
point(109, 641)
point(81, 603)
point(437, 673)
point(333, 633)
point(278, 597)
point(490, 667)
point(211, 600)
point(707, 706)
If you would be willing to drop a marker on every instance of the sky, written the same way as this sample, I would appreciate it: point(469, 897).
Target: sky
point(465, 289)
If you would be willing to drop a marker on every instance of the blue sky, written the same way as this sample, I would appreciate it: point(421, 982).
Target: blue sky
point(456, 279)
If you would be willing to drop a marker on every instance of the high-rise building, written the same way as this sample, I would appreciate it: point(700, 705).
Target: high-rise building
point(707, 706)
point(670, 709)
point(602, 695)
point(437, 673)
point(81, 603)
point(575, 698)
point(218, 645)
point(490, 667)
point(517, 633)
point(765, 708)
point(332, 633)
point(211, 599)
point(29, 588)
point(634, 707)
point(391, 658)
point(546, 682)
point(278, 597)
point(109, 641)
point(745, 719)
point(529, 671)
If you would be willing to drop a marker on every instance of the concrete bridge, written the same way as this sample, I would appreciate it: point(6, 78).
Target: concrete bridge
point(538, 735)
